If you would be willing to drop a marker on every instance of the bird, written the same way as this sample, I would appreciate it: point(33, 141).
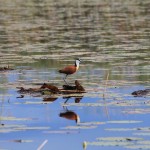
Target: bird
point(70, 115)
point(68, 70)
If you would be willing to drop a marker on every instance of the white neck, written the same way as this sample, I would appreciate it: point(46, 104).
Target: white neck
point(78, 119)
point(77, 63)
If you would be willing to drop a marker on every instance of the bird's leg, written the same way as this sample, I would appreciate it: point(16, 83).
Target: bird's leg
point(67, 100)
point(65, 80)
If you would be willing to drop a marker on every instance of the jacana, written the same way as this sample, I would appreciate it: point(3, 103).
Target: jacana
point(70, 115)
point(70, 69)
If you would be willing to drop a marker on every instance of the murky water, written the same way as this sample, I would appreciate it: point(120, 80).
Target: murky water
point(37, 38)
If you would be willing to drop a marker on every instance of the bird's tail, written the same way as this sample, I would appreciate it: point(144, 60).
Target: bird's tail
point(61, 114)
point(60, 71)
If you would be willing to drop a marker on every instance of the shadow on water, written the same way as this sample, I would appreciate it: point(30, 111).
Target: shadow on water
point(38, 38)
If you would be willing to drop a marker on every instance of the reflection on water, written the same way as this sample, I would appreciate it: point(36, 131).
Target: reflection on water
point(68, 114)
point(77, 99)
point(37, 38)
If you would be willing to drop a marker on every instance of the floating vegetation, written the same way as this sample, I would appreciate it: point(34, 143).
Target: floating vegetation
point(91, 123)
point(147, 142)
point(128, 129)
point(15, 128)
point(32, 128)
point(62, 132)
point(52, 88)
point(121, 129)
point(103, 103)
point(141, 146)
point(124, 121)
point(2, 118)
point(115, 141)
point(137, 110)
point(49, 99)
point(83, 104)
point(141, 92)
point(21, 141)
point(108, 143)
point(80, 127)
point(6, 68)
point(36, 102)
point(9, 128)
point(142, 133)
point(119, 139)
point(49, 89)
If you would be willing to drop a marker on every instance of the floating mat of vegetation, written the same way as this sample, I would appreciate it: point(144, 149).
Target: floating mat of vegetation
point(119, 139)
point(137, 111)
point(127, 142)
point(14, 128)
point(142, 133)
point(124, 121)
point(80, 127)
point(91, 123)
point(129, 129)
point(62, 132)
point(109, 143)
point(103, 103)
point(18, 141)
point(2, 118)
point(141, 147)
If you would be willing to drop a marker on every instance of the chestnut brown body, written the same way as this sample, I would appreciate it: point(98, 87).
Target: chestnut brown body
point(70, 115)
point(68, 70)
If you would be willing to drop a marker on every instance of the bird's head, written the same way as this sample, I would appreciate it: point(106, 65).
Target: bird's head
point(77, 62)
point(78, 120)
point(77, 59)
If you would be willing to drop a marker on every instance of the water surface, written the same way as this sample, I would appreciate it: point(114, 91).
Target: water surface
point(37, 38)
